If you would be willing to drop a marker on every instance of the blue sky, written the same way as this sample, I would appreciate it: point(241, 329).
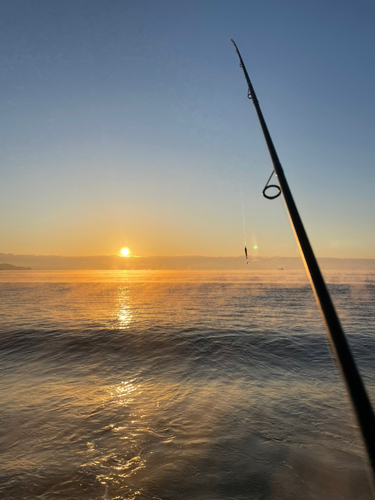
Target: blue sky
point(126, 123)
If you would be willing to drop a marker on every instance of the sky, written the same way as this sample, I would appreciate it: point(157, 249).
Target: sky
point(126, 124)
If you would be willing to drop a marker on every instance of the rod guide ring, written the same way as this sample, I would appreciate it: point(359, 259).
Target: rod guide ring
point(271, 197)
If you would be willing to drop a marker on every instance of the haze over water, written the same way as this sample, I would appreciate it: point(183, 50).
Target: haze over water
point(171, 385)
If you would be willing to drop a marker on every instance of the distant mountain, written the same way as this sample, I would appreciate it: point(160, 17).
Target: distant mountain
point(115, 262)
point(9, 267)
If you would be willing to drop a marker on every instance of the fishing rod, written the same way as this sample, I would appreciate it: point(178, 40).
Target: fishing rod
point(356, 389)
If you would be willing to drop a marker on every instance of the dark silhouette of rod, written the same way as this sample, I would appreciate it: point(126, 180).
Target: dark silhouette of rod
point(340, 346)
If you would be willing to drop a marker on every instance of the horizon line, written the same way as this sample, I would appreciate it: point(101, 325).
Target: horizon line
point(3, 254)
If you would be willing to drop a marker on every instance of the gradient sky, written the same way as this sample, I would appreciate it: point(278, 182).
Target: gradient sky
point(126, 123)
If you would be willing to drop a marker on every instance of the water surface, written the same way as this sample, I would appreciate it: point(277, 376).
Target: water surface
point(179, 385)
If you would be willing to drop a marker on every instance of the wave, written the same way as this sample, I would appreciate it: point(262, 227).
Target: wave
point(160, 348)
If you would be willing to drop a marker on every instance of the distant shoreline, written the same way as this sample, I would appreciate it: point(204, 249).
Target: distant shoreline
point(10, 267)
point(194, 263)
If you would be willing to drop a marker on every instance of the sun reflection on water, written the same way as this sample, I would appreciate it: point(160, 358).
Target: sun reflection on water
point(123, 390)
point(119, 462)
point(124, 312)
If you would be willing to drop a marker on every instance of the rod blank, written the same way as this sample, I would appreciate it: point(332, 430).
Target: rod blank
point(356, 389)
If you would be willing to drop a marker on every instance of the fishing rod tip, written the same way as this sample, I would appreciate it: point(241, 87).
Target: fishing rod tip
point(234, 43)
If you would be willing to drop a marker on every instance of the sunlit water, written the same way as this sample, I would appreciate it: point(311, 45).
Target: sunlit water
point(179, 385)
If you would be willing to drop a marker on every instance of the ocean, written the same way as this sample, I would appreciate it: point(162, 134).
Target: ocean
point(169, 385)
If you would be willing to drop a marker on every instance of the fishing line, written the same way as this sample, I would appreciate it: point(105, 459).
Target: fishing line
point(244, 227)
point(243, 220)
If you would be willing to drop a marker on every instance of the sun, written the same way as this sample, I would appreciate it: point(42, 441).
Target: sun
point(125, 252)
